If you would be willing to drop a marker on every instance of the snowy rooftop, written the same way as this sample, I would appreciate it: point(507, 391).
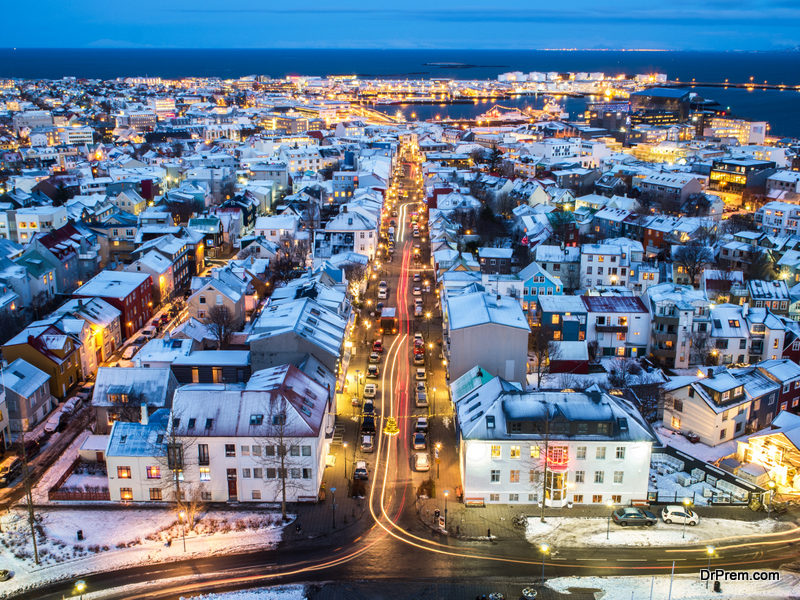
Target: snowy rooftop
point(112, 284)
point(152, 385)
point(137, 439)
point(23, 378)
point(479, 308)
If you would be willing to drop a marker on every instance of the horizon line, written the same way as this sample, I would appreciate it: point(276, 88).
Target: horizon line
point(401, 49)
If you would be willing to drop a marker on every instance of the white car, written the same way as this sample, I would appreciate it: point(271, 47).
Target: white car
point(374, 357)
point(417, 291)
point(420, 375)
point(370, 390)
point(373, 371)
point(418, 310)
point(679, 514)
point(420, 386)
point(361, 470)
point(383, 285)
point(422, 462)
point(383, 294)
point(129, 352)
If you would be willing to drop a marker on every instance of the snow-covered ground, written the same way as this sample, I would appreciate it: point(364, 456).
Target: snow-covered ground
point(698, 450)
point(571, 532)
point(120, 537)
point(685, 587)
point(668, 488)
point(289, 592)
point(58, 468)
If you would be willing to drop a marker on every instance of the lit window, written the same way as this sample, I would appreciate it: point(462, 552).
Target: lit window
point(495, 451)
point(124, 472)
point(205, 473)
point(154, 472)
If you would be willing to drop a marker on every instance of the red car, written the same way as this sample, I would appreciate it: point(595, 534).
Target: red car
point(377, 346)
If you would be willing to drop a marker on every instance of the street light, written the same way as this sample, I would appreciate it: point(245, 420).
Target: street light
point(446, 494)
point(434, 401)
point(181, 518)
point(333, 505)
point(344, 445)
point(687, 502)
point(710, 552)
point(610, 505)
point(80, 587)
point(545, 550)
point(438, 448)
point(771, 486)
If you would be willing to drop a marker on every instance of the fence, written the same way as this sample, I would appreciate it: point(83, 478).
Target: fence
point(87, 493)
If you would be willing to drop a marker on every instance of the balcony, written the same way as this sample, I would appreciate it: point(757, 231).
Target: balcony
point(611, 328)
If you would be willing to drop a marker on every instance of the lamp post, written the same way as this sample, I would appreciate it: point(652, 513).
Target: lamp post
point(344, 445)
point(333, 505)
point(80, 587)
point(438, 448)
point(710, 550)
point(610, 505)
point(771, 486)
point(446, 494)
point(687, 502)
point(434, 400)
point(182, 518)
point(545, 550)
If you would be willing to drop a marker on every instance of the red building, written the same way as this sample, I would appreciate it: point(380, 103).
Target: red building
point(131, 293)
point(786, 373)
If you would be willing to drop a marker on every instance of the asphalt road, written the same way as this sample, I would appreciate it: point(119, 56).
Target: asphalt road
point(394, 546)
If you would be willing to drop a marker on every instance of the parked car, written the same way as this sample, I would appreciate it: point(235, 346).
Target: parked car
point(383, 285)
point(422, 462)
point(71, 405)
point(367, 425)
point(419, 441)
point(361, 470)
point(383, 294)
point(374, 357)
point(417, 277)
point(420, 374)
point(10, 468)
point(54, 421)
point(369, 407)
point(419, 358)
point(5, 574)
point(421, 425)
point(367, 443)
point(377, 345)
point(148, 333)
point(679, 514)
point(418, 310)
point(420, 386)
point(632, 515)
point(373, 371)
point(370, 390)
point(130, 352)
point(417, 291)
point(422, 399)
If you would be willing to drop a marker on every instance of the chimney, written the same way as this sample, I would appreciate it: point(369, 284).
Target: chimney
point(711, 373)
point(595, 396)
point(745, 309)
point(145, 418)
point(31, 340)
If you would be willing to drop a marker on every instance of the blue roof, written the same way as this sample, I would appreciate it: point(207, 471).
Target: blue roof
point(138, 439)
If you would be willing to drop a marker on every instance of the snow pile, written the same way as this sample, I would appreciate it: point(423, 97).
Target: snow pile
point(115, 538)
point(568, 532)
point(289, 592)
point(685, 587)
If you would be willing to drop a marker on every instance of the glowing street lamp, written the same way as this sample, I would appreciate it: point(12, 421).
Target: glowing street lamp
point(687, 502)
point(80, 588)
point(710, 550)
point(545, 550)
point(182, 519)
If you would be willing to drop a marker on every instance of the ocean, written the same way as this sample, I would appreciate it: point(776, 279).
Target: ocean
point(780, 108)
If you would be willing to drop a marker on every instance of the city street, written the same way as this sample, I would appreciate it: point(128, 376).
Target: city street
point(401, 542)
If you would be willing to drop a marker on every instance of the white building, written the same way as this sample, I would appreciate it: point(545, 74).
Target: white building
point(277, 227)
point(519, 447)
point(779, 218)
point(619, 324)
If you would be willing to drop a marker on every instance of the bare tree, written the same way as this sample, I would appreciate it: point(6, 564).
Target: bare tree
point(760, 267)
point(221, 324)
point(623, 372)
point(592, 347)
point(702, 348)
point(507, 169)
point(281, 455)
point(542, 349)
point(693, 257)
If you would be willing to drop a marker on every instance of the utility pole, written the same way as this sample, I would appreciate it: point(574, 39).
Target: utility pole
point(26, 482)
point(546, 447)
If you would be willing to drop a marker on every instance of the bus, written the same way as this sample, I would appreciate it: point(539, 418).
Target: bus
point(387, 324)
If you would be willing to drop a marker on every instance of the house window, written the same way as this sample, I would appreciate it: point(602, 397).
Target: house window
point(124, 472)
point(256, 450)
point(580, 476)
point(577, 499)
point(306, 473)
point(494, 476)
point(513, 476)
point(245, 450)
point(494, 497)
point(580, 453)
point(600, 453)
point(294, 450)
point(230, 450)
point(535, 451)
point(306, 450)
point(618, 476)
point(202, 452)
point(597, 498)
point(513, 497)
point(155, 493)
point(256, 494)
point(272, 473)
point(125, 494)
point(599, 476)
point(515, 452)
point(154, 472)
point(676, 422)
point(246, 473)
point(258, 473)
point(205, 474)
point(555, 319)
point(495, 451)
point(722, 434)
point(620, 452)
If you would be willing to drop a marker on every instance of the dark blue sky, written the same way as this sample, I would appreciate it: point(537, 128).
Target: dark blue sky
point(513, 24)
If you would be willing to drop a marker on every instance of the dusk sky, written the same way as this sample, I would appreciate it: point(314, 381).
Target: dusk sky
point(514, 24)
